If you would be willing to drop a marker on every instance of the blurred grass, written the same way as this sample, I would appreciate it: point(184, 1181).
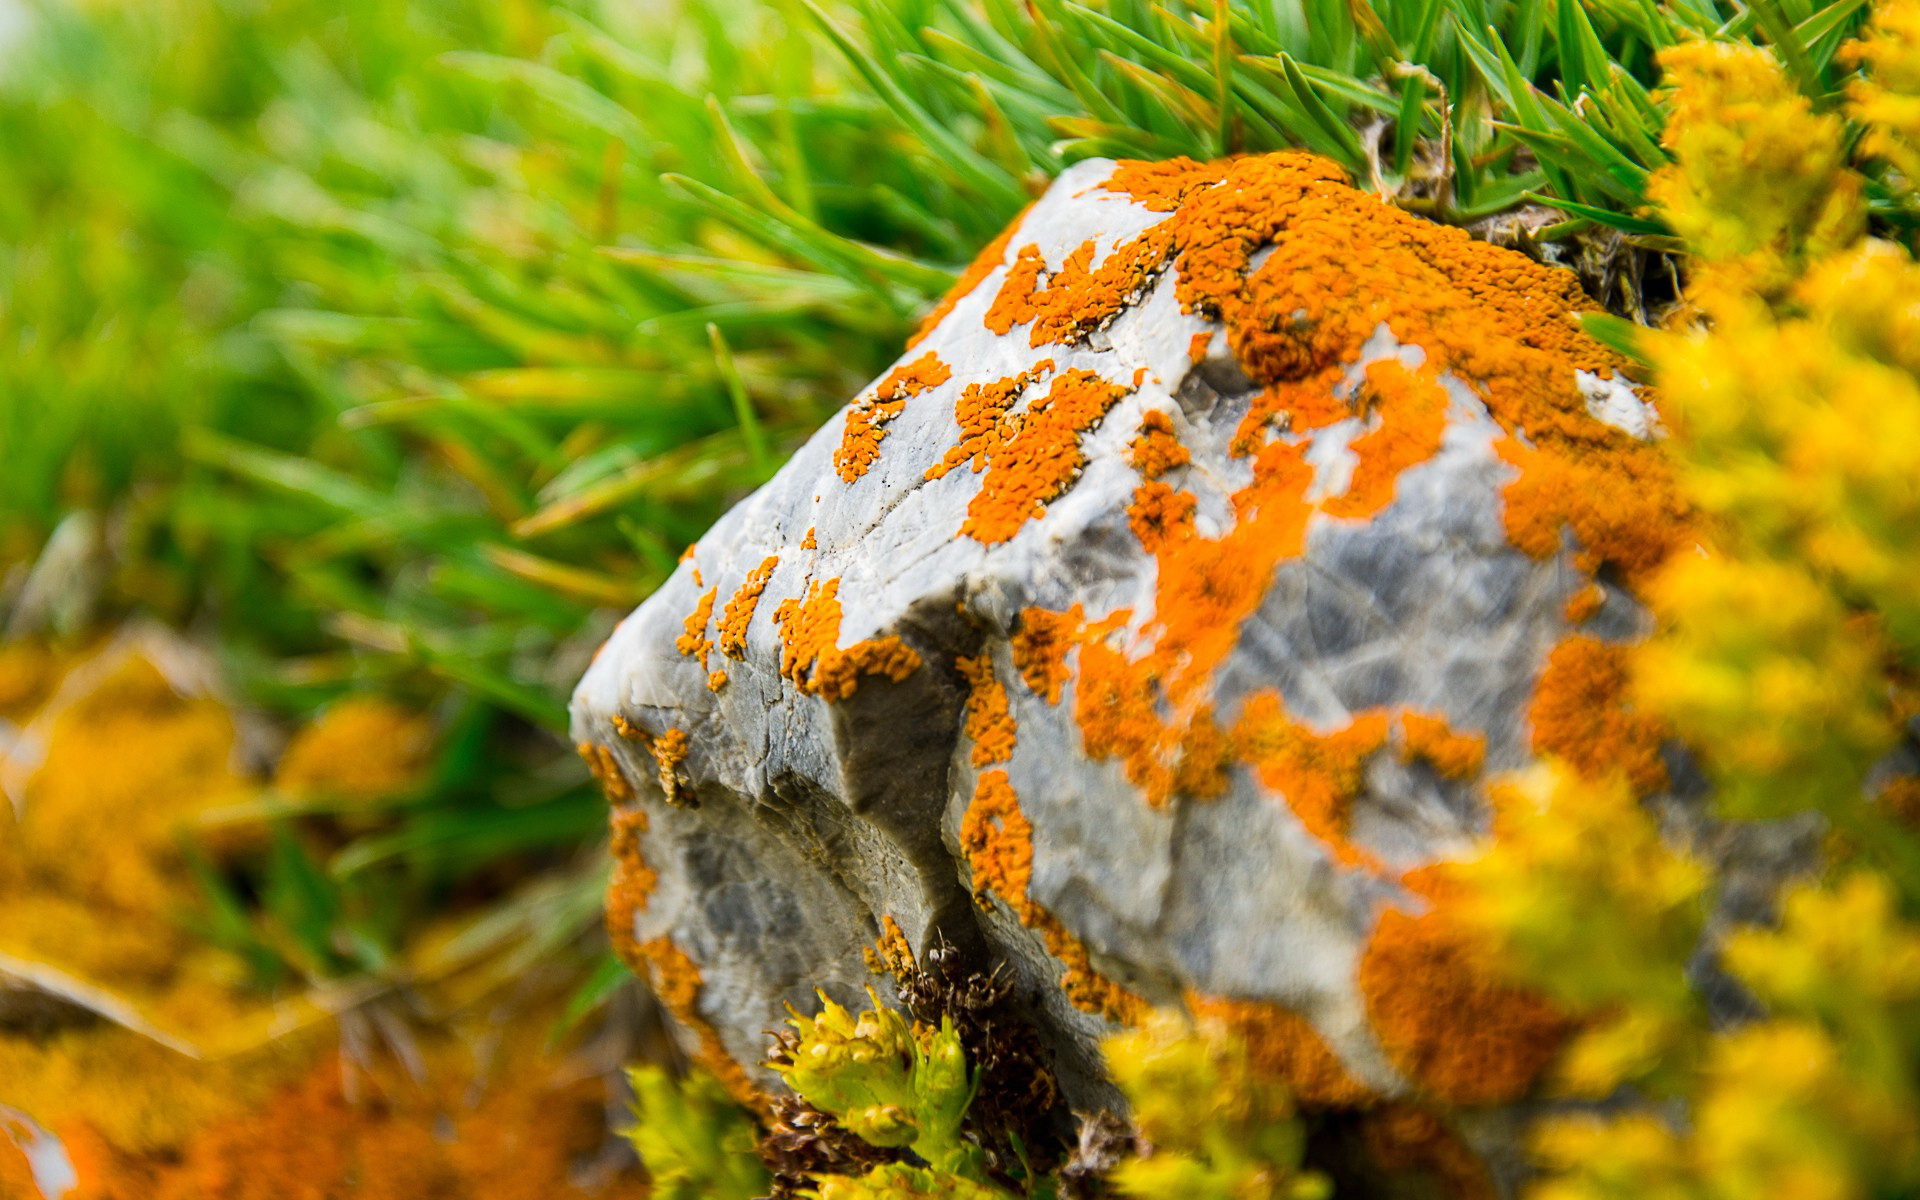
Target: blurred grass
point(402, 347)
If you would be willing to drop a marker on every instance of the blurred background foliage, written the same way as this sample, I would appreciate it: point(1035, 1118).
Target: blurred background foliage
point(398, 349)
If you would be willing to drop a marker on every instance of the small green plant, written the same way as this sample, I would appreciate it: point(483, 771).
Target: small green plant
point(695, 1143)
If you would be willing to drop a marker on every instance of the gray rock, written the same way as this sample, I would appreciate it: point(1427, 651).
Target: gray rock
point(817, 818)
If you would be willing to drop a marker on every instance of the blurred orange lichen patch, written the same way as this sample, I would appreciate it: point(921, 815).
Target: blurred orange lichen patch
point(1040, 459)
point(1406, 1140)
point(677, 982)
point(1580, 713)
point(1443, 1012)
point(16, 1173)
point(490, 1116)
point(1040, 648)
point(868, 418)
point(1410, 413)
point(811, 658)
point(1429, 739)
point(989, 721)
point(741, 605)
point(93, 875)
point(1282, 1044)
point(362, 748)
point(997, 840)
point(1319, 776)
point(29, 670)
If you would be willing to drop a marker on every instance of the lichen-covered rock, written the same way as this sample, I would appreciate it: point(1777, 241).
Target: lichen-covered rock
point(1149, 629)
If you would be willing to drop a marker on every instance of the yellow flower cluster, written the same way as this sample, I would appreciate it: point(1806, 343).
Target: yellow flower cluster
point(1215, 1129)
point(1783, 658)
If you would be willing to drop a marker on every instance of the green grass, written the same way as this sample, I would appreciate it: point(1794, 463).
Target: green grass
point(404, 347)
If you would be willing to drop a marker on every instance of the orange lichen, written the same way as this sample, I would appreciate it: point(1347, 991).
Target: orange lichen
point(1403, 1139)
point(16, 1173)
point(998, 842)
point(1580, 713)
point(1431, 740)
point(677, 982)
point(632, 882)
point(867, 418)
point(1160, 514)
point(1197, 346)
point(1155, 449)
point(1162, 186)
point(989, 721)
point(511, 1126)
point(1282, 1044)
point(1318, 775)
point(1078, 298)
point(1410, 414)
point(977, 271)
point(808, 542)
point(605, 769)
point(363, 749)
point(1584, 604)
point(1040, 648)
point(810, 656)
point(983, 411)
point(1444, 1015)
point(740, 607)
point(891, 953)
point(1039, 460)
point(669, 753)
point(693, 642)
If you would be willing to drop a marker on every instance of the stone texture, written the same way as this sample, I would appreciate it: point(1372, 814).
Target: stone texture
point(806, 820)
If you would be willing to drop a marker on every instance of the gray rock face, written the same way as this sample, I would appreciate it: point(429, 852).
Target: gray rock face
point(1247, 564)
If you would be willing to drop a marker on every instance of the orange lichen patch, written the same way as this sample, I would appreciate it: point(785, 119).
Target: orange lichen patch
point(1580, 713)
point(632, 882)
point(983, 412)
point(364, 748)
point(1155, 450)
point(989, 721)
point(669, 754)
point(1282, 1044)
point(1405, 1140)
point(808, 542)
point(1162, 186)
point(93, 865)
point(1160, 514)
point(868, 417)
point(1197, 346)
point(810, 657)
point(1040, 648)
point(507, 1124)
point(676, 980)
point(716, 681)
point(1079, 297)
point(605, 769)
point(16, 1173)
point(740, 607)
point(1429, 739)
point(1584, 604)
point(891, 953)
point(1041, 459)
point(998, 842)
point(1410, 411)
point(1445, 1017)
point(1318, 775)
point(1618, 500)
point(982, 266)
point(693, 642)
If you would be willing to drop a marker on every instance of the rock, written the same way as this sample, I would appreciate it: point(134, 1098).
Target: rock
point(1147, 629)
